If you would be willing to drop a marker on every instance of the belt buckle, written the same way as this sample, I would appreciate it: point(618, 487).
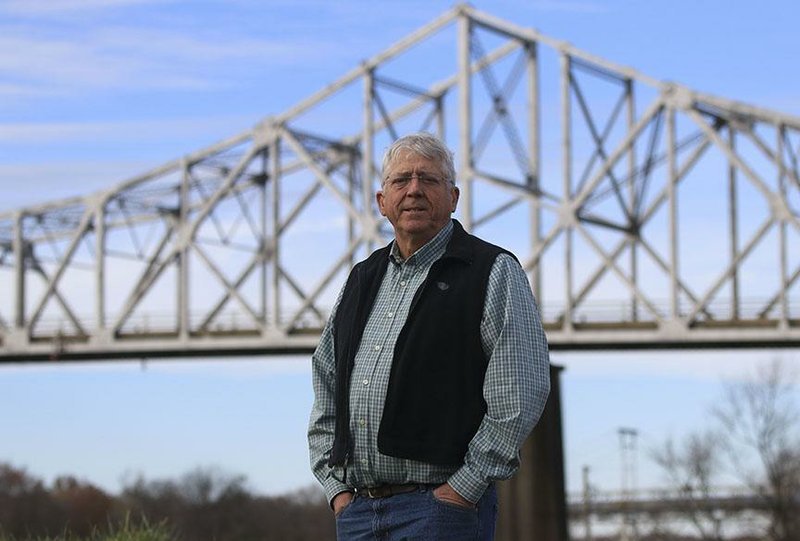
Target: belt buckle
point(370, 493)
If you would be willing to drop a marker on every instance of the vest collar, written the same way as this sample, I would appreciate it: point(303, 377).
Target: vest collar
point(459, 246)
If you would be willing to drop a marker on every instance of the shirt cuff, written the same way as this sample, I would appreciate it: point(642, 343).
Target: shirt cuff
point(468, 484)
point(333, 487)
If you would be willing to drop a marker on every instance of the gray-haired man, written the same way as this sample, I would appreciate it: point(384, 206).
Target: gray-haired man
point(432, 370)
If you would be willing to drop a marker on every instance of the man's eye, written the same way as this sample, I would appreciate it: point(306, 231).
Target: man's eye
point(403, 181)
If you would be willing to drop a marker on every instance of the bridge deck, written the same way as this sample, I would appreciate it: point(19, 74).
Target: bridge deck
point(238, 342)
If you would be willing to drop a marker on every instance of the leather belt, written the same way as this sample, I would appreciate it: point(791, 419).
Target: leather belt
point(384, 491)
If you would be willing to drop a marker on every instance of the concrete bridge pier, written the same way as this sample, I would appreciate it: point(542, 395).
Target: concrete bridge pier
point(533, 504)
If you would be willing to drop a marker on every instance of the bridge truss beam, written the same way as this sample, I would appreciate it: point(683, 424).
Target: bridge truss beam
point(647, 215)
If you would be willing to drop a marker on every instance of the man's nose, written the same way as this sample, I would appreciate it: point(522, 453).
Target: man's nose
point(414, 185)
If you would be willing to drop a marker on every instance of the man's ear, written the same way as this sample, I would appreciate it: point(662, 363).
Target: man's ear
point(455, 193)
point(380, 199)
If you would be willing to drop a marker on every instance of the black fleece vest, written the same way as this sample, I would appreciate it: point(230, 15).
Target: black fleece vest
point(434, 402)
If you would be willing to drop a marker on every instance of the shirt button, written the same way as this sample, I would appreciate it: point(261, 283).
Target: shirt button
point(403, 283)
point(365, 382)
point(377, 348)
point(364, 461)
point(390, 314)
point(362, 422)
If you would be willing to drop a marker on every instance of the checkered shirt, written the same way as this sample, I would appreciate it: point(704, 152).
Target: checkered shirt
point(515, 387)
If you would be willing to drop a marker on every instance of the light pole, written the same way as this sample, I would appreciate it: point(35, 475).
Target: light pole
point(627, 446)
point(587, 505)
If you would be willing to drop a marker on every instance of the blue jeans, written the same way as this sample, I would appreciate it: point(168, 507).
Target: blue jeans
point(417, 515)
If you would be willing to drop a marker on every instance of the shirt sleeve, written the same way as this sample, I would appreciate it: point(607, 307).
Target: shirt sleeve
point(517, 380)
point(323, 412)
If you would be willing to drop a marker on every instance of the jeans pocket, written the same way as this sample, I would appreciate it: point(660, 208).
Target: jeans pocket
point(453, 505)
point(344, 509)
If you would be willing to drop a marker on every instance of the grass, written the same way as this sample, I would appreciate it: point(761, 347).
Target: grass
point(123, 532)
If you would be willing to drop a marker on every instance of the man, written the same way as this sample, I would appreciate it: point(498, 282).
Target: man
point(432, 370)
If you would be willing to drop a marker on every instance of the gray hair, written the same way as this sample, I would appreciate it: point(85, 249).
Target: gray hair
point(426, 145)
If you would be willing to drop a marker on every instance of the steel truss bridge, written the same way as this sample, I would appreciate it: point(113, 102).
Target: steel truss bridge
point(635, 513)
point(611, 504)
point(646, 214)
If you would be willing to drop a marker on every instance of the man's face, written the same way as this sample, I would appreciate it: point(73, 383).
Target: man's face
point(416, 199)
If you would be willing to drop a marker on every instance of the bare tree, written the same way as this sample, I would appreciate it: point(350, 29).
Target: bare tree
point(205, 504)
point(693, 470)
point(757, 436)
point(759, 417)
point(208, 504)
point(84, 505)
point(26, 506)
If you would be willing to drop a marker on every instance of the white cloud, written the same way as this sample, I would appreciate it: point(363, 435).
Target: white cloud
point(133, 130)
point(58, 7)
point(711, 365)
point(237, 368)
point(45, 132)
point(569, 6)
point(539, 14)
point(136, 58)
point(55, 180)
point(222, 369)
point(21, 90)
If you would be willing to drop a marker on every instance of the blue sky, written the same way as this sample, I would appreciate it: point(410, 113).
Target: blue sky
point(95, 91)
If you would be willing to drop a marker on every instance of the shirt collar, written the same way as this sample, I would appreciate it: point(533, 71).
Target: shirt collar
point(429, 253)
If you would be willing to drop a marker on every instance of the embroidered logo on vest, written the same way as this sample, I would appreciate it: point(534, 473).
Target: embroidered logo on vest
point(443, 286)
